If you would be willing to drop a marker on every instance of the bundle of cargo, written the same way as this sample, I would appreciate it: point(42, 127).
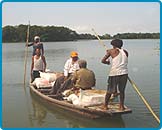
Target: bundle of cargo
point(42, 83)
point(47, 79)
point(87, 98)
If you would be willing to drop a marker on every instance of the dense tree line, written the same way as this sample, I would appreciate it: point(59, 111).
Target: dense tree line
point(138, 36)
point(47, 34)
point(54, 33)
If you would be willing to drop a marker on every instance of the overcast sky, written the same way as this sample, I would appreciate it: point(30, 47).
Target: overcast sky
point(104, 17)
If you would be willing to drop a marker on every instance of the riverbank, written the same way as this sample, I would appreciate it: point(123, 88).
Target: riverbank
point(60, 33)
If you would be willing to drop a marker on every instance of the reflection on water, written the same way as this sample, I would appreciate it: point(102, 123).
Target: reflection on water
point(41, 108)
point(39, 113)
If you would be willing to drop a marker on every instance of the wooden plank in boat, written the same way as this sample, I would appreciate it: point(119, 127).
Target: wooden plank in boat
point(113, 108)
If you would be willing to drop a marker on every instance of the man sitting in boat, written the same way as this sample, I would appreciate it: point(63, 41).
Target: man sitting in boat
point(38, 64)
point(83, 78)
point(70, 67)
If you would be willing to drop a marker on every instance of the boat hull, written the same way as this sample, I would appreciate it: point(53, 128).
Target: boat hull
point(90, 112)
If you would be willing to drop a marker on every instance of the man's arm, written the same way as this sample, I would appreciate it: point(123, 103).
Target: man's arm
point(30, 44)
point(94, 83)
point(44, 61)
point(32, 66)
point(126, 53)
point(105, 59)
point(66, 69)
point(42, 49)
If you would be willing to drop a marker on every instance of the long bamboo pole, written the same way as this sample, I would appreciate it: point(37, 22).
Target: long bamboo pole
point(26, 53)
point(144, 100)
point(133, 84)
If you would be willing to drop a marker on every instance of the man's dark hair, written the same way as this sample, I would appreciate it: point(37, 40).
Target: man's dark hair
point(82, 64)
point(117, 43)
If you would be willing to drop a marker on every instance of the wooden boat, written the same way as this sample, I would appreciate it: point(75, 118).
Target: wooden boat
point(89, 111)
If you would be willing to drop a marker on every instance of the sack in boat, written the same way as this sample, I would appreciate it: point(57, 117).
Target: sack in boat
point(41, 83)
point(73, 99)
point(87, 98)
point(48, 76)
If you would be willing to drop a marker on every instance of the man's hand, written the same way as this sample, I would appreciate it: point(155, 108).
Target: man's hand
point(31, 77)
point(108, 61)
point(65, 78)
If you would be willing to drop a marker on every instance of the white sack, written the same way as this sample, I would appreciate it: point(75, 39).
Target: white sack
point(40, 82)
point(48, 76)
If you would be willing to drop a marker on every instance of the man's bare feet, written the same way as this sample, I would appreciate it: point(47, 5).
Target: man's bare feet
point(122, 108)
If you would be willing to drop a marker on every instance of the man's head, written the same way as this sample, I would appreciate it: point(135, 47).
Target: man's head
point(74, 55)
point(37, 39)
point(38, 52)
point(82, 64)
point(117, 43)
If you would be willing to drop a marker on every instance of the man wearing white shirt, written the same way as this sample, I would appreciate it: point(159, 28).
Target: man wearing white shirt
point(71, 65)
point(118, 74)
point(63, 82)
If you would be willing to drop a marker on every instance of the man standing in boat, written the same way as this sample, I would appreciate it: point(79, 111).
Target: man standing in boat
point(70, 67)
point(118, 73)
point(38, 64)
point(37, 44)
